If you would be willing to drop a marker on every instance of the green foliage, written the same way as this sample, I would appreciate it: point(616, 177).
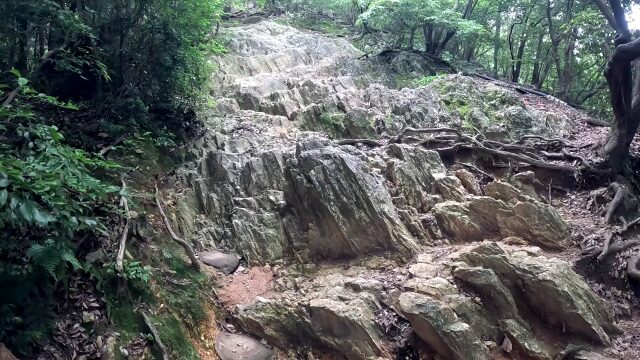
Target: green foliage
point(48, 196)
point(173, 335)
point(398, 15)
point(142, 62)
point(333, 123)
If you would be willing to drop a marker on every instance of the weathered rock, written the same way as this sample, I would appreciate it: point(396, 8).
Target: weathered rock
point(239, 347)
point(536, 222)
point(497, 112)
point(336, 198)
point(524, 341)
point(550, 287)
point(450, 187)
point(473, 220)
point(413, 171)
point(338, 315)
point(441, 328)
point(505, 211)
point(436, 288)
point(227, 263)
point(504, 191)
point(469, 181)
point(5, 353)
point(484, 282)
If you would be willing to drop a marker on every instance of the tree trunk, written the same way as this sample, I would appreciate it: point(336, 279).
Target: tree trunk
point(412, 35)
point(427, 32)
point(468, 9)
point(625, 104)
point(517, 68)
point(625, 96)
point(435, 40)
point(469, 50)
point(496, 42)
point(23, 38)
point(535, 74)
point(566, 76)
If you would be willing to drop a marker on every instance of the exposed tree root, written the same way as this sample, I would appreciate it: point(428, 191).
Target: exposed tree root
point(110, 147)
point(187, 248)
point(618, 198)
point(156, 335)
point(477, 169)
point(606, 245)
point(519, 151)
point(125, 233)
point(367, 142)
point(630, 224)
point(562, 142)
point(595, 251)
point(632, 267)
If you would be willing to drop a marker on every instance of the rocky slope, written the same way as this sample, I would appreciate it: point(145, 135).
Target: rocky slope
point(376, 251)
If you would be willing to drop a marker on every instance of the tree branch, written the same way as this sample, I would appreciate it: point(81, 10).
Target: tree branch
point(604, 9)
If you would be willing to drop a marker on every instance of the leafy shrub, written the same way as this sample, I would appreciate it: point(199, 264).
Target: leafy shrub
point(48, 197)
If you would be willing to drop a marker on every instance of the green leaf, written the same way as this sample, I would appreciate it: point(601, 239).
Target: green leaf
point(3, 197)
point(26, 210)
point(71, 259)
point(42, 218)
point(22, 82)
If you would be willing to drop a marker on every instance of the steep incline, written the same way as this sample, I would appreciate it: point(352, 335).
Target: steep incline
point(371, 243)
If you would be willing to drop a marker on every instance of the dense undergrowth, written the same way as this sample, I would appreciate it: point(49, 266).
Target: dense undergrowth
point(81, 82)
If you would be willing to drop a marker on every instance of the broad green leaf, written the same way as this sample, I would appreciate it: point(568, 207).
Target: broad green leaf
point(42, 218)
point(3, 197)
point(26, 210)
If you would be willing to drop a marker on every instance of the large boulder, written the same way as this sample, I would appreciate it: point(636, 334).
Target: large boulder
point(471, 220)
point(505, 211)
point(441, 328)
point(342, 210)
point(548, 286)
point(337, 314)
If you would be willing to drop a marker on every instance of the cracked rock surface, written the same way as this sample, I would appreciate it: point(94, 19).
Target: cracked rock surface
point(381, 250)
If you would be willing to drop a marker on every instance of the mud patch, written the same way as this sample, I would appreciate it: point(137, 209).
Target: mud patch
point(245, 286)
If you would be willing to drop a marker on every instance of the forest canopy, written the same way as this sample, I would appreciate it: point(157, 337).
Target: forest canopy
point(560, 47)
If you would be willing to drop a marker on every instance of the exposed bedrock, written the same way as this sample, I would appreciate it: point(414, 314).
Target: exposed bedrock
point(269, 181)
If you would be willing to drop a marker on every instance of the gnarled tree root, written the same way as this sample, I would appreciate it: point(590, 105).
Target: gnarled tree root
point(632, 267)
point(187, 248)
point(595, 251)
point(618, 198)
point(518, 152)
